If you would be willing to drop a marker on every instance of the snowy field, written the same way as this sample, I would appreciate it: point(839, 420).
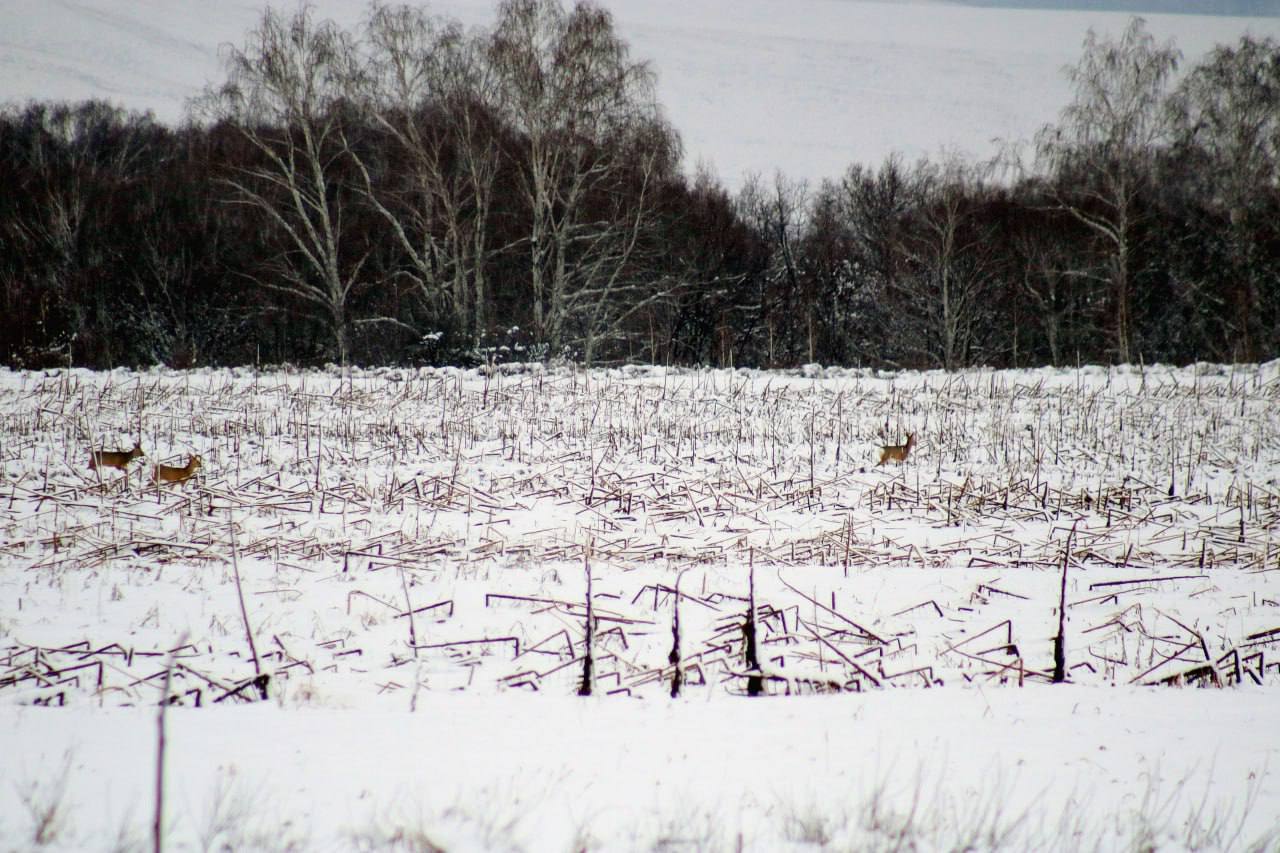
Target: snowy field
point(398, 560)
point(372, 606)
point(809, 87)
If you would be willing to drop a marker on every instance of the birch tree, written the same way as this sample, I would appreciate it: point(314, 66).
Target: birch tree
point(1104, 146)
point(593, 149)
point(948, 253)
point(285, 94)
point(433, 94)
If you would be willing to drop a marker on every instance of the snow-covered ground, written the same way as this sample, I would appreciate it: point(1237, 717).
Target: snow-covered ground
point(807, 86)
point(412, 548)
point(1031, 769)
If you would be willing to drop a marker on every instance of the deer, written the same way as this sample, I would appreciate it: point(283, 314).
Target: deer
point(172, 474)
point(897, 452)
point(114, 458)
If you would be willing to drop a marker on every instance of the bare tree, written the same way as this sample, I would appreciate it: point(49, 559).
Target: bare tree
point(1104, 147)
point(594, 145)
point(1228, 109)
point(949, 254)
point(778, 212)
point(48, 228)
point(433, 94)
point(1046, 281)
point(877, 206)
point(78, 177)
point(286, 93)
point(619, 274)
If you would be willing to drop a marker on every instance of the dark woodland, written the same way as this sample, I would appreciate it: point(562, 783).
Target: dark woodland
point(415, 193)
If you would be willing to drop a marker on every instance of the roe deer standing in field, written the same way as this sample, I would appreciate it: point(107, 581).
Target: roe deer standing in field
point(114, 458)
point(172, 474)
point(896, 452)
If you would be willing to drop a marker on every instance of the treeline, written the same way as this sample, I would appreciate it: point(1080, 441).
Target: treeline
point(411, 192)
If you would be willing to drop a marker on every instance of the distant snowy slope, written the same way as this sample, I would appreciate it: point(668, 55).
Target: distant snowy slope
point(1146, 7)
point(807, 86)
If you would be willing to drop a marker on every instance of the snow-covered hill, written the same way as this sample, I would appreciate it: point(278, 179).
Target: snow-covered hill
point(807, 86)
point(1145, 7)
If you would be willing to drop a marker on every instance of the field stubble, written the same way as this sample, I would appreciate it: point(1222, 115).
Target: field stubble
point(355, 538)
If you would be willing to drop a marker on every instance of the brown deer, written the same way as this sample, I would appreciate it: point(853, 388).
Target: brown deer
point(114, 458)
point(897, 452)
point(172, 474)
